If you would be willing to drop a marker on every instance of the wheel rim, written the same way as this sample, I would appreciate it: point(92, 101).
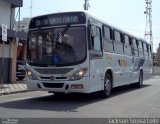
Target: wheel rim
point(140, 80)
point(107, 87)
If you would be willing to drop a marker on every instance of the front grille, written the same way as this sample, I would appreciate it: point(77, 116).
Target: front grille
point(50, 78)
point(60, 78)
point(53, 71)
point(46, 78)
point(53, 85)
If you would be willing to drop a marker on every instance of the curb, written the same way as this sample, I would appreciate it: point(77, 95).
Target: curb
point(13, 92)
point(13, 88)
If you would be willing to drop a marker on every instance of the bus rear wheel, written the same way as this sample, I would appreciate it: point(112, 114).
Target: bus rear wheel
point(107, 86)
point(21, 78)
point(139, 84)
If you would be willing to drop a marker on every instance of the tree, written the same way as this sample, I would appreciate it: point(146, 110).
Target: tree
point(158, 55)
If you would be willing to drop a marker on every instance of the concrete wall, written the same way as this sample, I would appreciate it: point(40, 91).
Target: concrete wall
point(5, 13)
point(7, 16)
point(156, 70)
point(13, 62)
point(5, 68)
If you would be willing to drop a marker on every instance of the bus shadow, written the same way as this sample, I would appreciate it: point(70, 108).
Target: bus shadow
point(125, 89)
point(65, 103)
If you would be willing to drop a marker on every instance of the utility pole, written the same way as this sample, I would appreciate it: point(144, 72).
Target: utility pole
point(19, 18)
point(31, 8)
point(86, 4)
point(148, 29)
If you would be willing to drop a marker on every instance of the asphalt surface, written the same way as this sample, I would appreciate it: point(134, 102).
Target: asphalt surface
point(124, 102)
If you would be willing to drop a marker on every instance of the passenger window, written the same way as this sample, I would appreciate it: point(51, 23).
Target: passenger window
point(96, 40)
point(127, 46)
point(126, 39)
point(135, 47)
point(140, 47)
point(117, 36)
point(108, 43)
point(118, 45)
point(145, 46)
point(107, 33)
point(148, 49)
point(33, 42)
point(150, 52)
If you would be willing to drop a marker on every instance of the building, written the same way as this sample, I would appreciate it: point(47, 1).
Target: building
point(158, 55)
point(23, 25)
point(155, 59)
point(11, 48)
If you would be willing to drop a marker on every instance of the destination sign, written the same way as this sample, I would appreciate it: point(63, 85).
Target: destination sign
point(58, 19)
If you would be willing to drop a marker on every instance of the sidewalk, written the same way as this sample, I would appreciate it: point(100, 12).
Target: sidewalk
point(17, 87)
point(156, 76)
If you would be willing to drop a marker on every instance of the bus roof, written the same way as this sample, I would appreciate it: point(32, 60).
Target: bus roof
point(100, 19)
point(92, 16)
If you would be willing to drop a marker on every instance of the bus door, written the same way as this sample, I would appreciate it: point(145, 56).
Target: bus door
point(96, 63)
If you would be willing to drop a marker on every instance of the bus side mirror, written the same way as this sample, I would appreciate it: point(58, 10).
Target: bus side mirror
point(93, 31)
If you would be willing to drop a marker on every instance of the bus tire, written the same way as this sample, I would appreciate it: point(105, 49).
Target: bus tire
point(107, 86)
point(21, 78)
point(139, 84)
point(58, 94)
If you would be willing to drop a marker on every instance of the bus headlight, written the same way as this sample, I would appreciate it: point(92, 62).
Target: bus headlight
point(31, 75)
point(79, 74)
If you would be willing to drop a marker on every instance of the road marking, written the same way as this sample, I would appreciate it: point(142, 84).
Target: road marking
point(17, 99)
point(24, 98)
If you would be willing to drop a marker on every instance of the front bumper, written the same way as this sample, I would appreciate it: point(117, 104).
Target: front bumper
point(79, 86)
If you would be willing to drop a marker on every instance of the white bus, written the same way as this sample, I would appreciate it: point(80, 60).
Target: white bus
point(74, 52)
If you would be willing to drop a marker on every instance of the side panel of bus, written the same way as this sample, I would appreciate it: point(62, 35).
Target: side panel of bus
point(113, 55)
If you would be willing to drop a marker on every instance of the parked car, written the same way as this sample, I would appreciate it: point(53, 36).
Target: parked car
point(21, 69)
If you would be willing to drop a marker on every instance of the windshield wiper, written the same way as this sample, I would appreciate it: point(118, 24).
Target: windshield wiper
point(65, 29)
point(61, 34)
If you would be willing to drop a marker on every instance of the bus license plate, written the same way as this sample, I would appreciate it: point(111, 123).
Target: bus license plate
point(77, 86)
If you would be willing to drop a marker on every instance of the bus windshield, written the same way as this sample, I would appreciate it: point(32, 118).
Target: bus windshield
point(56, 46)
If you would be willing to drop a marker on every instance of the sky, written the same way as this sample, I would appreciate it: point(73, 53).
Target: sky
point(127, 15)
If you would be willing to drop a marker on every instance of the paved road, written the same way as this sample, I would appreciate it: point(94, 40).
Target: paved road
point(125, 102)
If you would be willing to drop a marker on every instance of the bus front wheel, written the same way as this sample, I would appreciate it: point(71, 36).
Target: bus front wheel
point(107, 86)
